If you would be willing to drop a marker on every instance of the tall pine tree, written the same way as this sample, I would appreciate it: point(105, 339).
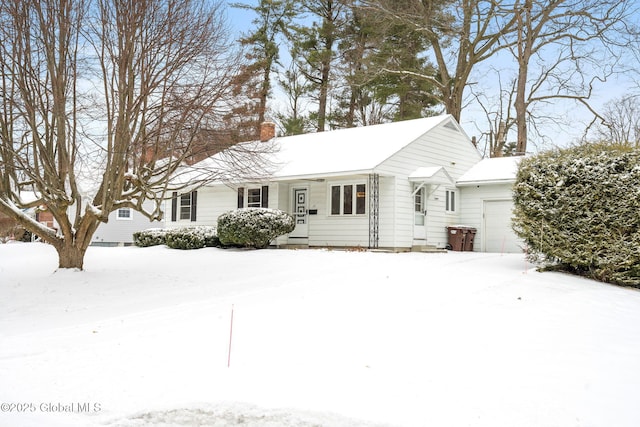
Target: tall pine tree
point(273, 20)
point(314, 48)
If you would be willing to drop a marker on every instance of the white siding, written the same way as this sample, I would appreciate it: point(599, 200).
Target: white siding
point(336, 230)
point(120, 231)
point(441, 146)
point(437, 217)
point(472, 214)
point(280, 200)
point(212, 201)
point(345, 230)
point(389, 220)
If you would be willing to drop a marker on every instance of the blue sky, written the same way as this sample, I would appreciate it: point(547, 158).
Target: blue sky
point(239, 19)
point(473, 119)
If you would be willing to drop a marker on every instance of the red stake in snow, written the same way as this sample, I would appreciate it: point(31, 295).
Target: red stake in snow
point(230, 338)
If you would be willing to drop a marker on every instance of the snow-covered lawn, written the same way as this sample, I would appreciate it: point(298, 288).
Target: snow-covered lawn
point(320, 338)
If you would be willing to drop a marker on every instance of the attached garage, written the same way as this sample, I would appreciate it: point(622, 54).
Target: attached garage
point(498, 234)
point(486, 203)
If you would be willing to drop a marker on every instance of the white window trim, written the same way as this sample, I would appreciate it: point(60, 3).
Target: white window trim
point(180, 206)
point(456, 200)
point(246, 197)
point(330, 185)
point(122, 218)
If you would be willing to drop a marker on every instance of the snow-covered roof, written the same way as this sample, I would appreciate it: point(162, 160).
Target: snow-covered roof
point(492, 171)
point(350, 150)
point(344, 151)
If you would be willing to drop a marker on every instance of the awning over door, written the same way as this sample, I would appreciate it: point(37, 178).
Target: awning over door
point(431, 175)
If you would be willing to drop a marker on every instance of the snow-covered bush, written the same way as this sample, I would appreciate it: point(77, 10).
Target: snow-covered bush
point(253, 227)
point(150, 237)
point(191, 237)
point(579, 208)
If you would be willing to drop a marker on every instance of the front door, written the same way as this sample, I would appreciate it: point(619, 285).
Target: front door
point(419, 211)
point(300, 212)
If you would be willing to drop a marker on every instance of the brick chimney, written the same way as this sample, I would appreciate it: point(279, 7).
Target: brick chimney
point(267, 131)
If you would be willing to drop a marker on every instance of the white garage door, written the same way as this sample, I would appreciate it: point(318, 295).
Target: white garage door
point(498, 235)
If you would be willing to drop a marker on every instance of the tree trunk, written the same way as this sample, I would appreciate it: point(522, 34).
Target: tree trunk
point(322, 100)
point(265, 88)
point(524, 54)
point(71, 255)
point(500, 140)
point(73, 246)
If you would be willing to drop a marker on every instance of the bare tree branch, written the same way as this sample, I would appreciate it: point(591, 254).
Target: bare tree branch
point(104, 101)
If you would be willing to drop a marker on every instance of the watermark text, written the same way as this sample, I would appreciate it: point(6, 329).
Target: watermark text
point(51, 407)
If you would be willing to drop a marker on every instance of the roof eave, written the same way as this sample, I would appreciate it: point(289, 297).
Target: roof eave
point(485, 182)
point(323, 175)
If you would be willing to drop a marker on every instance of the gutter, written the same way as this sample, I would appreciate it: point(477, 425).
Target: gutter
point(485, 182)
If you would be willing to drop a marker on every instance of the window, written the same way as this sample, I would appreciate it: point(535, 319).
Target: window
point(184, 206)
point(124, 213)
point(348, 199)
point(335, 199)
point(254, 197)
point(361, 198)
point(418, 207)
point(450, 200)
point(418, 204)
point(257, 197)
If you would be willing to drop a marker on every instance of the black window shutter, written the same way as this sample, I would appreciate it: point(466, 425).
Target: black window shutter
point(240, 197)
point(174, 206)
point(194, 203)
point(265, 196)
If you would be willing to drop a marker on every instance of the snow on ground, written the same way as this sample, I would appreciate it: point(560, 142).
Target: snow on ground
point(320, 338)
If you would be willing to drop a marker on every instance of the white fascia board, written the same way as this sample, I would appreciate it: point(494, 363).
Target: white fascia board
point(485, 182)
point(315, 176)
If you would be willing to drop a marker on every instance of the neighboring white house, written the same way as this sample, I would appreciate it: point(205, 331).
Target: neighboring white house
point(118, 231)
point(122, 224)
point(392, 186)
point(487, 204)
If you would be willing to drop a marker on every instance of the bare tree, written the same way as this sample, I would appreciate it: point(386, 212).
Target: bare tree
point(461, 35)
point(496, 106)
point(573, 43)
point(102, 101)
point(621, 125)
point(293, 121)
point(10, 230)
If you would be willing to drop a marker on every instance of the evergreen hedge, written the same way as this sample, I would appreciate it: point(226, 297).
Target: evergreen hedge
point(578, 209)
point(192, 237)
point(150, 237)
point(253, 227)
point(178, 238)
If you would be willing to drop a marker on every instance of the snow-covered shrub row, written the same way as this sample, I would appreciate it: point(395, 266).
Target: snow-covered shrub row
point(178, 238)
point(192, 237)
point(579, 209)
point(149, 237)
point(253, 227)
